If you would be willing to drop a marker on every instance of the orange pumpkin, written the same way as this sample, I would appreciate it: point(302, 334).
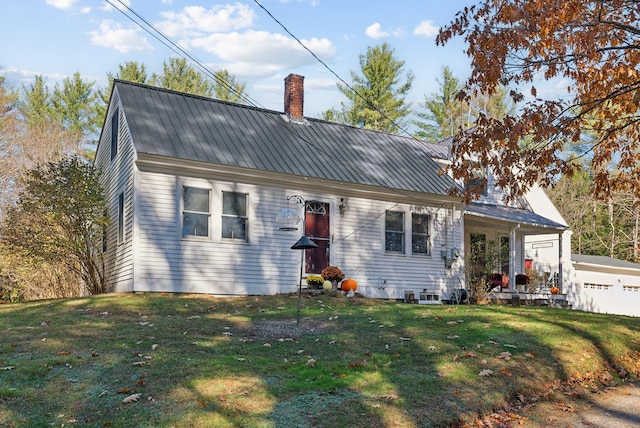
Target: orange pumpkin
point(555, 290)
point(349, 284)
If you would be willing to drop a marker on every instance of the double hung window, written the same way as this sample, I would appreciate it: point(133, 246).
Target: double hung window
point(234, 215)
point(196, 212)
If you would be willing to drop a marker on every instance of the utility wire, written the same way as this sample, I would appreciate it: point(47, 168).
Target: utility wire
point(176, 48)
point(347, 85)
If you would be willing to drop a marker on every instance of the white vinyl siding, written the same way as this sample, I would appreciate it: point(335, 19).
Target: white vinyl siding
point(117, 178)
point(265, 263)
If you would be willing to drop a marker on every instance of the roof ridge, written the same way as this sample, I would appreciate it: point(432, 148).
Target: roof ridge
point(196, 96)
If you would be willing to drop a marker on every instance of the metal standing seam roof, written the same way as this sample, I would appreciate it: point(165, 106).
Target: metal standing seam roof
point(177, 125)
point(512, 215)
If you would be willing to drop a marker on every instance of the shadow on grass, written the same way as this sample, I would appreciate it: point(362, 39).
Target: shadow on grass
point(244, 362)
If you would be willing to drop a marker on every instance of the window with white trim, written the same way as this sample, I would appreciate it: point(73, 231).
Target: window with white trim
point(234, 216)
point(114, 133)
point(196, 212)
point(121, 217)
point(394, 232)
point(420, 234)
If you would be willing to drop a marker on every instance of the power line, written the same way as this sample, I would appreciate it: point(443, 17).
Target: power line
point(176, 48)
point(347, 85)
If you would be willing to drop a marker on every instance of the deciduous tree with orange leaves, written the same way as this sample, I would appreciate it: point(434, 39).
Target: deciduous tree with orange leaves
point(591, 47)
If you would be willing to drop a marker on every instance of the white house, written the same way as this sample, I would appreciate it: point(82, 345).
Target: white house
point(195, 186)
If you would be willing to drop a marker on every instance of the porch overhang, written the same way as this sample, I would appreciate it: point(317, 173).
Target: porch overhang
point(528, 221)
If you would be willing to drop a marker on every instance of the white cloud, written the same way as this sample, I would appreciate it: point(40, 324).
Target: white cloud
point(61, 4)
point(196, 20)
point(258, 53)
point(113, 35)
point(375, 31)
point(26, 77)
point(116, 4)
point(427, 29)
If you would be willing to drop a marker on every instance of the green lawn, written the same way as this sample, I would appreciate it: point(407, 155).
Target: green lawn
point(189, 361)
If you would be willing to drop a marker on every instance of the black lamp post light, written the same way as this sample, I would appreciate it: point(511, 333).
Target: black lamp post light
point(304, 243)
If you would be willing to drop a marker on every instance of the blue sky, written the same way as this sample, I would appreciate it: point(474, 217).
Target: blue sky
point(56, 38)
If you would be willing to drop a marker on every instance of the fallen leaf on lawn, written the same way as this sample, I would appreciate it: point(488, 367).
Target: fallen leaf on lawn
point(510, 346)
point(389, 396)
point(200, 403)
point(528, 355)
point(63, 353)
point(139, 363)
point(455, 336)
point(267, 345)
point(506, 355)
point(311, 362)
point(470, 354)
point(104, 313)
point(432, 348)
point(123, 391)
point(7, 368)
point(193, 317)
point(132, 398)
point(486, 372)
point(405, 338)
point(154, 346)
point(227, 333)
point(506, 372)
point(102, 393)
point(141, 382)
point(452, 322)
point(493, 342)
point(148, 357)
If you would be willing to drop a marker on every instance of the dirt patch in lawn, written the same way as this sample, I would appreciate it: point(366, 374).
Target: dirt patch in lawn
point(284, 329)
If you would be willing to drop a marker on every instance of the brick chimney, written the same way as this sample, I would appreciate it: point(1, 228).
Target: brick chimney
point(294, 96)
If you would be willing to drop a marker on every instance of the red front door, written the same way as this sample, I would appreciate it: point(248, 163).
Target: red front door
point(316, 227)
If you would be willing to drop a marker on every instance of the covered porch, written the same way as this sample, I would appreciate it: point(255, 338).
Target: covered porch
point(495, 237)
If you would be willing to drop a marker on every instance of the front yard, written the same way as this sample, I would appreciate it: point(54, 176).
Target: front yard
point(182, 360)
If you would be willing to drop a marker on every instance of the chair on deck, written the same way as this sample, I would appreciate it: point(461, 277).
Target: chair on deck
point(522, 279)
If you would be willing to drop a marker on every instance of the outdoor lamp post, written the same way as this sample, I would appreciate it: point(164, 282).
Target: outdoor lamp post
point(303, 243)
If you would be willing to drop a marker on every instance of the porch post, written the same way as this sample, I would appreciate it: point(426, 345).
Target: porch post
point(512, 258)
point(560, 262)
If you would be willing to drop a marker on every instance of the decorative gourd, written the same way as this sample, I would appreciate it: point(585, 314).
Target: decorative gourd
point(349, 284)
point(327, 285)
point(555, 290)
